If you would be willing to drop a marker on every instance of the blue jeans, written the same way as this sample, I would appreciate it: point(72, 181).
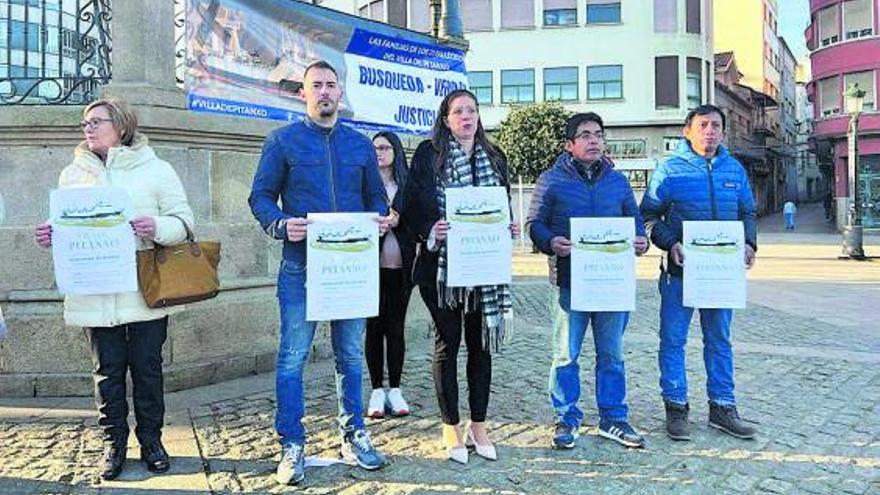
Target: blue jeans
point(569, 328)
point(789, 221)
point(717, 351)
point(347, 337)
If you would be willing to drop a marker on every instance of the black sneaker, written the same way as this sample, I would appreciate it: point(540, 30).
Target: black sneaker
point(292, 467)
point(622, 433)
point(112, 459)
point(677, 421)
point(154, 456)
point(565, 436)
point(726, 419)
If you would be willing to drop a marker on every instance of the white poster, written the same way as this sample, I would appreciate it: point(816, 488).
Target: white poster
point(479, 249)
point(603, 269)
point(342, 266)
point(93, 245)
point(714, 266)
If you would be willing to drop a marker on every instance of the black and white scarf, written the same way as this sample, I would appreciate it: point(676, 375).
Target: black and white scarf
point(496, 302)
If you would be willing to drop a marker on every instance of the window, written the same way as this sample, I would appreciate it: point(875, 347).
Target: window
point(476, 15)
point(561, 83)
point(397, 13)
point(665, 16)
point(21, 40)
point(517, 13)
point(829, 30)
point(419, 17)
point(857, 19)
point(480, 84)
point(638, 179)
point(666, 82)
point(693, 17)
point(604, 82)
point(829, 97)
point(694, 83)
point(865, 80)
point(670, 143)
point(603, 12)
point(373, 10)
point(518, 86)
point(560, 17)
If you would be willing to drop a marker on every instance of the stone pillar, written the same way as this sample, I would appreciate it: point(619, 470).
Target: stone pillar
point(142, 57)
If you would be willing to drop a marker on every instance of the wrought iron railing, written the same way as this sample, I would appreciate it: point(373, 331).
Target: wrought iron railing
point(179, 41)
point(53, 52)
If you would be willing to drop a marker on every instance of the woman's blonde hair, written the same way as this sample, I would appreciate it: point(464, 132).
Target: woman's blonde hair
point(122, 117)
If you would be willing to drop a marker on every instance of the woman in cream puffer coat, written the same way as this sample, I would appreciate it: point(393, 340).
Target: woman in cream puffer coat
point(123, 333)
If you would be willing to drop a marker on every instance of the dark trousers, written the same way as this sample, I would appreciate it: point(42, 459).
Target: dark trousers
point(385, 331)
point(116, 350)
point(447, 339)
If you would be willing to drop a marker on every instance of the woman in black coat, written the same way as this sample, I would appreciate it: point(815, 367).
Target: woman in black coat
point(458, 154)
point(384, 341)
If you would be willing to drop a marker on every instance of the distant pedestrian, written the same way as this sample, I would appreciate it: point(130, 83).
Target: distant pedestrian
point(788, 211)
point(677, 193)
point(828, 203)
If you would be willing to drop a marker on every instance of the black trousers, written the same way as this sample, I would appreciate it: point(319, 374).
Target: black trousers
point(385, 332)
point(134, 347)
point(448, 325)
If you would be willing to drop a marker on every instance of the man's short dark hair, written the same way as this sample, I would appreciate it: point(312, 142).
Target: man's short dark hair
point(320, 64)
point(571, 126)
point(705, 110)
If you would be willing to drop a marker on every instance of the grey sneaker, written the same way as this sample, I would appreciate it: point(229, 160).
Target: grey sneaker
point(292, 468)
point(357, 447)
point(726, 419)
point(622, 433)
point(677, 421)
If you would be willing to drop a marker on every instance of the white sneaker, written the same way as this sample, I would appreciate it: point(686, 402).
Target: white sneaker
point(398, 406)
point(376, 408)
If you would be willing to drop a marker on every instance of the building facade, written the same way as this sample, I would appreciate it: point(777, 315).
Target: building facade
point(812, 185)
point(641, 65)
point(787, 109)
point(845, 49)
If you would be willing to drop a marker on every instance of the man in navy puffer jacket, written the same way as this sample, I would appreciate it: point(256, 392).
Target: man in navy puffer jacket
point(316, 165)
point(583, 183)
point(701, 181)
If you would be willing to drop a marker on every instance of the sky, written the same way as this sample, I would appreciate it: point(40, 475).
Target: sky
point(794, 17)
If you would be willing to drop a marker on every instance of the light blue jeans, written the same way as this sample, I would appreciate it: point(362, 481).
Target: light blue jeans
point(569, 328)
point(347, 338)
point(717, 351)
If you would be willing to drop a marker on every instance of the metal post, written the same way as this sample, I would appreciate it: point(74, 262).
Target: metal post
point(522, 231)
point(852, 232)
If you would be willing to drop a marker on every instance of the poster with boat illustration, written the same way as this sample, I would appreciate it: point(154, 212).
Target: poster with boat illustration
point(479, 248)
point(714, 270)
point(603, 273)
point(342, 273)
point(93, 246)
point(248, 59)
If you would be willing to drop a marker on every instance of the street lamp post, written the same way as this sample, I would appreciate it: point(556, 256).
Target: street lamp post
point(852, 232)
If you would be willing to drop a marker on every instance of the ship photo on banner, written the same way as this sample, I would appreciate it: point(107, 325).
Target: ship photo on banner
point(248, 59)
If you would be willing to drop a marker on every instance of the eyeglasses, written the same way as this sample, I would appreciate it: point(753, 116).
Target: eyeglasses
point(383, 147)
point(93, 123)
point(587, 135)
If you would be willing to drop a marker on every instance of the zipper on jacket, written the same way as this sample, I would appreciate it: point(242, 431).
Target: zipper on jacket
point(712, 190)
point(332, 172)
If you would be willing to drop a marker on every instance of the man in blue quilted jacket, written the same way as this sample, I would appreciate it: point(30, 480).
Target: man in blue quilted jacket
point(700, 181)
point(583, 183)
point(316, 165)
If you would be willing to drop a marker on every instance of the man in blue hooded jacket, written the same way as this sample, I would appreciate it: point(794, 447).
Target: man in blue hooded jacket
point(583, 183)
point(700, 181)
point(316, 165)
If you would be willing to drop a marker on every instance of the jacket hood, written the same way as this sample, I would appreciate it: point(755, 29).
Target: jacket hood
point(121, 157)
point(565, 163)
point(685, 151)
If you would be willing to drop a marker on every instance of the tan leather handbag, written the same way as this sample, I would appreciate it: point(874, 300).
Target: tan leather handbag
point(181, 274)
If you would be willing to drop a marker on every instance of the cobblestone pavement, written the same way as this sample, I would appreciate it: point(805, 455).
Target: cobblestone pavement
point(811, 388)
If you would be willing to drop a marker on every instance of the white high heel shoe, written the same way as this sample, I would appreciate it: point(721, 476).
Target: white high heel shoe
point(484, 451)
point(455, 454)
